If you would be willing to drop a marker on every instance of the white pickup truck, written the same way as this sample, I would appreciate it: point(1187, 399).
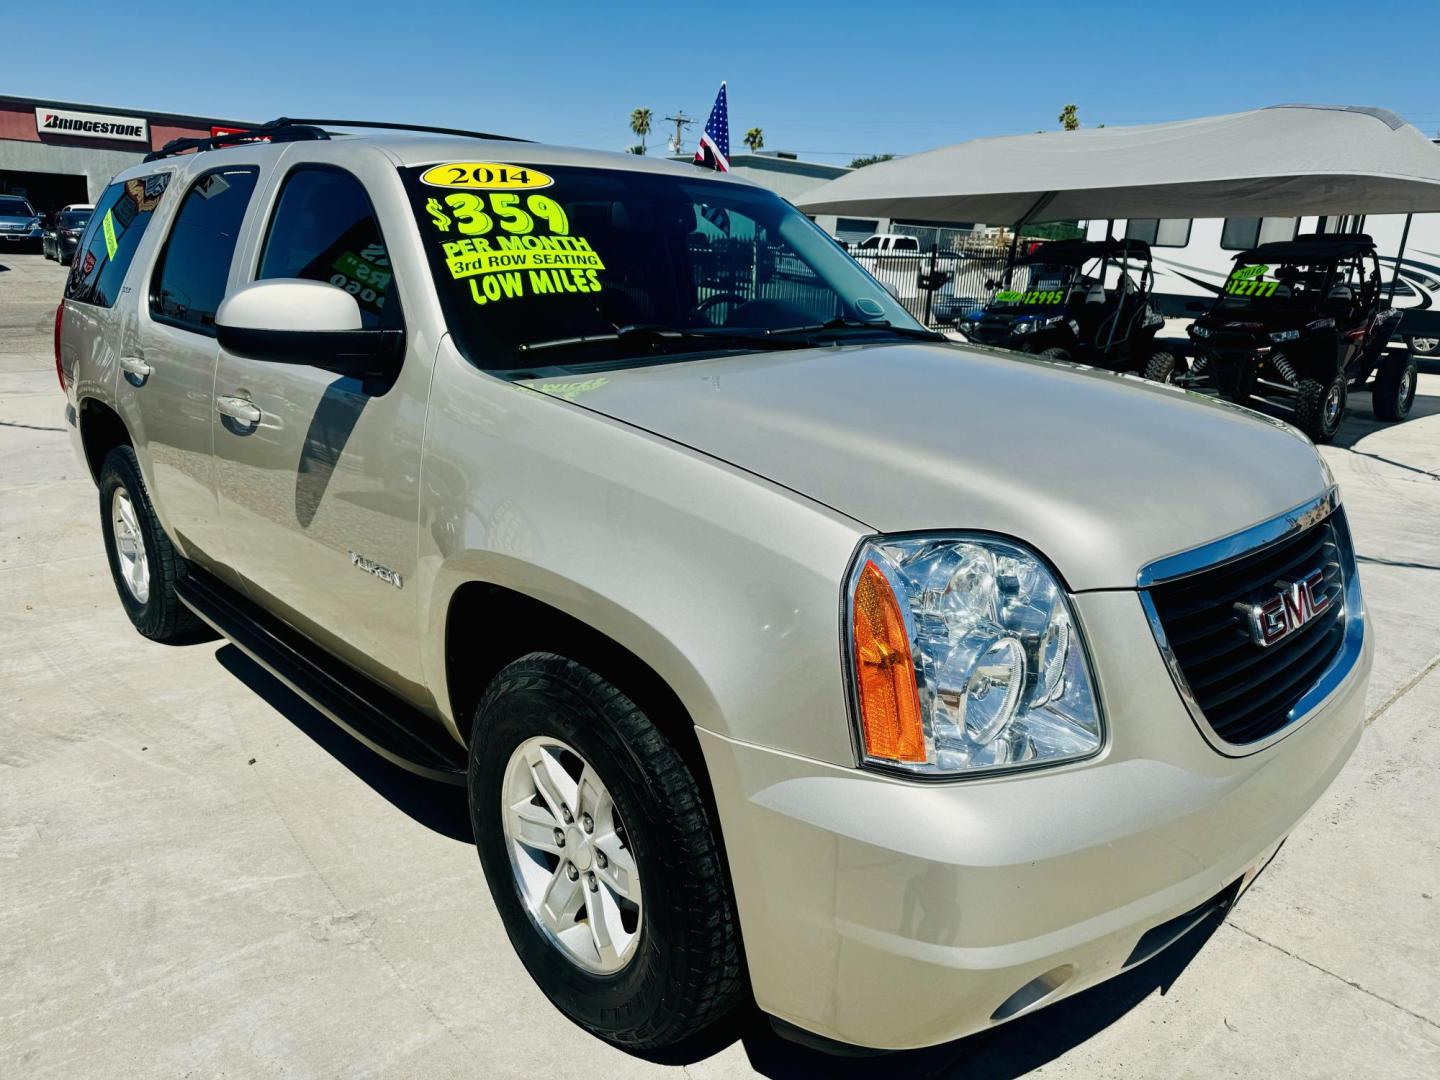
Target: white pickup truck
point(894, 260)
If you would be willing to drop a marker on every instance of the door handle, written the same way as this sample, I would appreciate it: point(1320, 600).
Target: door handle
point(239, 408)
point(133, 365)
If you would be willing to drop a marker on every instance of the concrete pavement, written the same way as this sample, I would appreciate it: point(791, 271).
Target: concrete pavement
point(201, 876)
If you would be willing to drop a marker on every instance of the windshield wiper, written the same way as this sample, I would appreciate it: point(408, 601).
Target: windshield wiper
point(841, 323)
point(657, 333)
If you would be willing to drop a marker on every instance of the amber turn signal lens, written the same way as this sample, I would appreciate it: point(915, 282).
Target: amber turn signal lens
point(885, 673)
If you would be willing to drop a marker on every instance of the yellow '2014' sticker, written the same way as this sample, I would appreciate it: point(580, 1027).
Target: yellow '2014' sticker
point(485, 175)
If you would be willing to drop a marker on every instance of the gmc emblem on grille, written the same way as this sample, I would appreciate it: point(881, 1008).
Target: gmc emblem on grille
point(1294, 604)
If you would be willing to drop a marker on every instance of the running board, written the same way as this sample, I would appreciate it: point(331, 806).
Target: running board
point(395, 730)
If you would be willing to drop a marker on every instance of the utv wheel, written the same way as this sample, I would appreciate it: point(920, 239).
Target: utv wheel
point(142, 562)
point(1423, 346)
point(1319, 407)
point(1393, 393)
point(1054, 354)
point(1162, 367)
point(600, 856)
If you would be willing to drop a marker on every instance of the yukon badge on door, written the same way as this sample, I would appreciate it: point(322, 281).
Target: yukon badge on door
point(384, 573)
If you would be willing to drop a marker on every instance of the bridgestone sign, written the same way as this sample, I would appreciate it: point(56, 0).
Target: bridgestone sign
point(85, 125)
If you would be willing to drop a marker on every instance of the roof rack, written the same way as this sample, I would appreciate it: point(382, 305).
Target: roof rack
point(292, 129)
point(387, 126)
point(281, 130)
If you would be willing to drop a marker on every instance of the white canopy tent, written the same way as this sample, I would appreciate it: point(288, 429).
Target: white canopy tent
point(1285, 160)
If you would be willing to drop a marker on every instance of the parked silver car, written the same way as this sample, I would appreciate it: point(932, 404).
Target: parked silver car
point(780, 644)
point(20, 225)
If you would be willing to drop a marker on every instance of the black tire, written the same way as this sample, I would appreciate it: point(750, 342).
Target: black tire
point(1423, 345)
point(685, 973)
point(1162, 367)
point(1393, 393)
point(1054, 354)
point(159, 616)
point(1319, 407)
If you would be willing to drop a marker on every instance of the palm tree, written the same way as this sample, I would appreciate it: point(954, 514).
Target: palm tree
point(640, 125)
point(754, 139)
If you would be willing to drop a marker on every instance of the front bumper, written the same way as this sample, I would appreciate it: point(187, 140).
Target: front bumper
point(889, 913)
point(32, 236)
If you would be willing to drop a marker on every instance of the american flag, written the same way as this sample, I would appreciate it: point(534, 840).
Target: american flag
point(714, 149)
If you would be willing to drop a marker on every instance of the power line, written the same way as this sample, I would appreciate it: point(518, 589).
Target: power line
point(681, 122)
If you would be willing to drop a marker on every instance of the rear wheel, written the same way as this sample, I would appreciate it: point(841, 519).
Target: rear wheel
point(1423, 346)
point(1393, 393)
point(1054, 354)
point(600, 856)
point(1319, 407)
point(1162, 367)
point(142, 562)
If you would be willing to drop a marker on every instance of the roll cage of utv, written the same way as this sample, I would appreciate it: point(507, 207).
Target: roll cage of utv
point(1300, 322)
point(1084, 300)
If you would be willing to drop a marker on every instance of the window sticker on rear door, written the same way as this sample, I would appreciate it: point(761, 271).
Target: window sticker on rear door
point(504, 245)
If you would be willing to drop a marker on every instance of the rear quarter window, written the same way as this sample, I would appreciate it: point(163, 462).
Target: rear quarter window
point(108, 247)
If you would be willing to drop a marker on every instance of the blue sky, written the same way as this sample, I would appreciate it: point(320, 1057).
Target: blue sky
point(831, 80)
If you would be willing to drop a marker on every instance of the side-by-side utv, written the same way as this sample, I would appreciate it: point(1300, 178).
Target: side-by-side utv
point(1083, 300)
point(1301, 321)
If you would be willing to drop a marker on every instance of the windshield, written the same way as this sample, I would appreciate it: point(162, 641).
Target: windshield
point(10, 206)
point(1259, 285)
point(74, 219)
point(559, 265)
point(1039, 286)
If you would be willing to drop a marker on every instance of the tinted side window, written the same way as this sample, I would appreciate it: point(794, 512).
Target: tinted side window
point(189, 279)
point(106, 250)
point(324, 229)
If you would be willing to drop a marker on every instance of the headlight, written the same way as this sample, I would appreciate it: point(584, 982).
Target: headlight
point(965, 658)
point(1200, 331)
point(1285, 335)
point(1023, 326)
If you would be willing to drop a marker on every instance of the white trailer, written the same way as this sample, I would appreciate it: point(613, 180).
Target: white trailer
point(1194, 257)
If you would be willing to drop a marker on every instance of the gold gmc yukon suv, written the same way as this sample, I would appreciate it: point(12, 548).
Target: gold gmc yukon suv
point(783, 647)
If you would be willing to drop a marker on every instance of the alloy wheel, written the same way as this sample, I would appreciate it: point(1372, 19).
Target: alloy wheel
point(570, 853)
point(130, 546)
point(1334, 402)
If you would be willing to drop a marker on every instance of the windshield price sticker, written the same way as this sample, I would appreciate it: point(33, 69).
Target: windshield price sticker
point(1034, 296)
point(485, 175)
point(506, 245)
point(1247, 281)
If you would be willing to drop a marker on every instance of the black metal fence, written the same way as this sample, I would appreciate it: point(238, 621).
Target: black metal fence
point(938, 287)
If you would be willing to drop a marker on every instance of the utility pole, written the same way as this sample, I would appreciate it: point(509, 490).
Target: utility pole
point(681, 122)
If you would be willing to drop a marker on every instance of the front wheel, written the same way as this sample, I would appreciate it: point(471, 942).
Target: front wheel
point(1393, 394)
point(600, 856)
point(1054, 354)
point(1162, 367)
point(1319, 407)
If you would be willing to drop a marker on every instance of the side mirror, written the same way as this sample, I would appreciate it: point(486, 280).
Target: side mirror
point(293, 321)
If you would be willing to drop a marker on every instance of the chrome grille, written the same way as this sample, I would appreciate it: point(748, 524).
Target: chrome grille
point(1245, 691)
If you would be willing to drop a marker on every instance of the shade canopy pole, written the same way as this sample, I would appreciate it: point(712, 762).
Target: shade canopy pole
point(1025, 218)
point(1399, 257)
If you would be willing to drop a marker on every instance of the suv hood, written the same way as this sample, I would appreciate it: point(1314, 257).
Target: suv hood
point(1101, 473)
